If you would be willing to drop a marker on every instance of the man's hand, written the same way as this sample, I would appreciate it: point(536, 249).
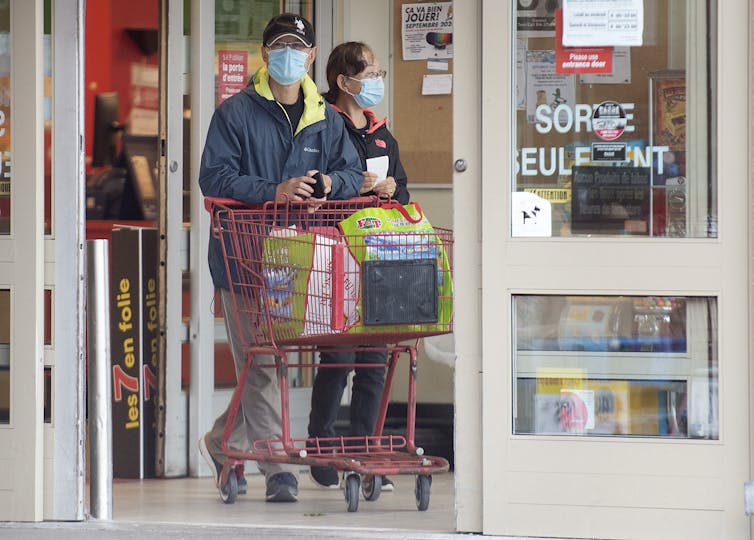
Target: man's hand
point(369, 180)
point(299, 188)
point(386, 187)
point(325, 178)
point(315, 203)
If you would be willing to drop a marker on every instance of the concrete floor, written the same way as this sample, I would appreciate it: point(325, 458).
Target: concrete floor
point(196, 501)
point(190, 508)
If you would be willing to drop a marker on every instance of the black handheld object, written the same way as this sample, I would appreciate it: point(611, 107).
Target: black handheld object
point(319, 187)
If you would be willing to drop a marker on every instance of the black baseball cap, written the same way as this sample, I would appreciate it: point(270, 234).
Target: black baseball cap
point(288, 24)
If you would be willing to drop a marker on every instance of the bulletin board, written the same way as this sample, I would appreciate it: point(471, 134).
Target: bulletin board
point(423, 125)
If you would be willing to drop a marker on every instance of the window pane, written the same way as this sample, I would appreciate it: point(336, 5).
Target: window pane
point(612, 127)
point(616, 365)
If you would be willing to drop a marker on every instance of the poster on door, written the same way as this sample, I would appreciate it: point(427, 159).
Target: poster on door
point(536, 18)
point(588, 23)
point(579, 59)
point(669, 125)
point(544, 86)
point(427, 30)
point(231, 73)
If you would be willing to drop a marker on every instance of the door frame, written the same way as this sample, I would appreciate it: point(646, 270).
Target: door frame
point(22, 271)
point(65, 263)
point(171, 459)
point(467, 265)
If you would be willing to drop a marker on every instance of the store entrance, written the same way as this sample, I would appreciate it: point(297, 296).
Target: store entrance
point(194, 390)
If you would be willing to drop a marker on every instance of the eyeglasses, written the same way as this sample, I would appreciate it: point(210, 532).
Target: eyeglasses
point(381, 74)
point(295, 45)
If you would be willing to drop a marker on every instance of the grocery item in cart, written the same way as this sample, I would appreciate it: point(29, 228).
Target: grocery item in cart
point(309, 285)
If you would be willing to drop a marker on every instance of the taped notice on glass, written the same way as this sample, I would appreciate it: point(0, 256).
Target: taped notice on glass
point(531, 215)
point(590, 23)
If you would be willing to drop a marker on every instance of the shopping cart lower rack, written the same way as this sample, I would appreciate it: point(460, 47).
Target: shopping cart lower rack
point(338, 277)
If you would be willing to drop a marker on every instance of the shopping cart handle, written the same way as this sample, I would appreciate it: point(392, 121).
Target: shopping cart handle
point(211, 202)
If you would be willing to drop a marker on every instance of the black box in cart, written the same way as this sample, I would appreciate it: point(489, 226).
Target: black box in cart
point(400, 292)
point(134, 350)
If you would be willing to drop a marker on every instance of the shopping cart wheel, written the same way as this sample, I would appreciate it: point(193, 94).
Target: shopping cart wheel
point(423, 484)
point(352, 491)
point(229, 491)
point(371, 486)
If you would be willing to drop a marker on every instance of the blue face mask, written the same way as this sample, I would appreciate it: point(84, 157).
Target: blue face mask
point(287, 65)
point(371, 93)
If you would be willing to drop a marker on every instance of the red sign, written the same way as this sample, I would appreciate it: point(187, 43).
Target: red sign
point(579, 59)
point(231, 73)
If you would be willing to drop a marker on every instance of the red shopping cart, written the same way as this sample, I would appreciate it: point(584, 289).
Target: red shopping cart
point(306, 283)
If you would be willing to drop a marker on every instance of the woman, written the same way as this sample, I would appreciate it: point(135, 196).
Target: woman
point(356, 83)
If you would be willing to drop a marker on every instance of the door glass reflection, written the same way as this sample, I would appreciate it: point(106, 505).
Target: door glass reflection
point(616, 366)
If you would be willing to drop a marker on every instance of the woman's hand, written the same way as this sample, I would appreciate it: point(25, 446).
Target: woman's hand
point(369, 180)
point(386, 187)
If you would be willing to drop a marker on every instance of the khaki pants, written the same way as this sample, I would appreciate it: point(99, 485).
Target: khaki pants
point(259, 415)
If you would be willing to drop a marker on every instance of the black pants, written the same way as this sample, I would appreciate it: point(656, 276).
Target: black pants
point(328, 387)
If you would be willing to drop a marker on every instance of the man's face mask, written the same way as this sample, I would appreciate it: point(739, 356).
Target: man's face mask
point(287, 65)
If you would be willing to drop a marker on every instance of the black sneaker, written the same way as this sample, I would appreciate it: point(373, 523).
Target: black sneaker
point(326, 477)
point(282, 487)
point(387, 484)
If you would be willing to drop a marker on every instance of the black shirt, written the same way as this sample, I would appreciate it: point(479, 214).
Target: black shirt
point(294, 111)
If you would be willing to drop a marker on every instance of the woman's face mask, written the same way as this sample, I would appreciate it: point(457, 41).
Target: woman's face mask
point(287, 65)
point(371, 93)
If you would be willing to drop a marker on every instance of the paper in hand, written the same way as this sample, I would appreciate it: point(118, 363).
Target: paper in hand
point(378, 166)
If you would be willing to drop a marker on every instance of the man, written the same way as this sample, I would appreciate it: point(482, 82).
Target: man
point(264, 144)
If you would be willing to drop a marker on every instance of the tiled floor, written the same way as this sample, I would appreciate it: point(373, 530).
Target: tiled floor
point(196, 501)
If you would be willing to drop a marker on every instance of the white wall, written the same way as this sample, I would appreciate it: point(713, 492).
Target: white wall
point(369, 21)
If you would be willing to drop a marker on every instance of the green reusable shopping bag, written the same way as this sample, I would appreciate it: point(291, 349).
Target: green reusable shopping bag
point(403, 235)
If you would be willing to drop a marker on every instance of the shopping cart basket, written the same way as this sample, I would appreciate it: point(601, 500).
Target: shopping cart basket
point(306, 287)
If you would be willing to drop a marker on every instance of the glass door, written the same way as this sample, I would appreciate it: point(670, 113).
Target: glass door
point(621, 397)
